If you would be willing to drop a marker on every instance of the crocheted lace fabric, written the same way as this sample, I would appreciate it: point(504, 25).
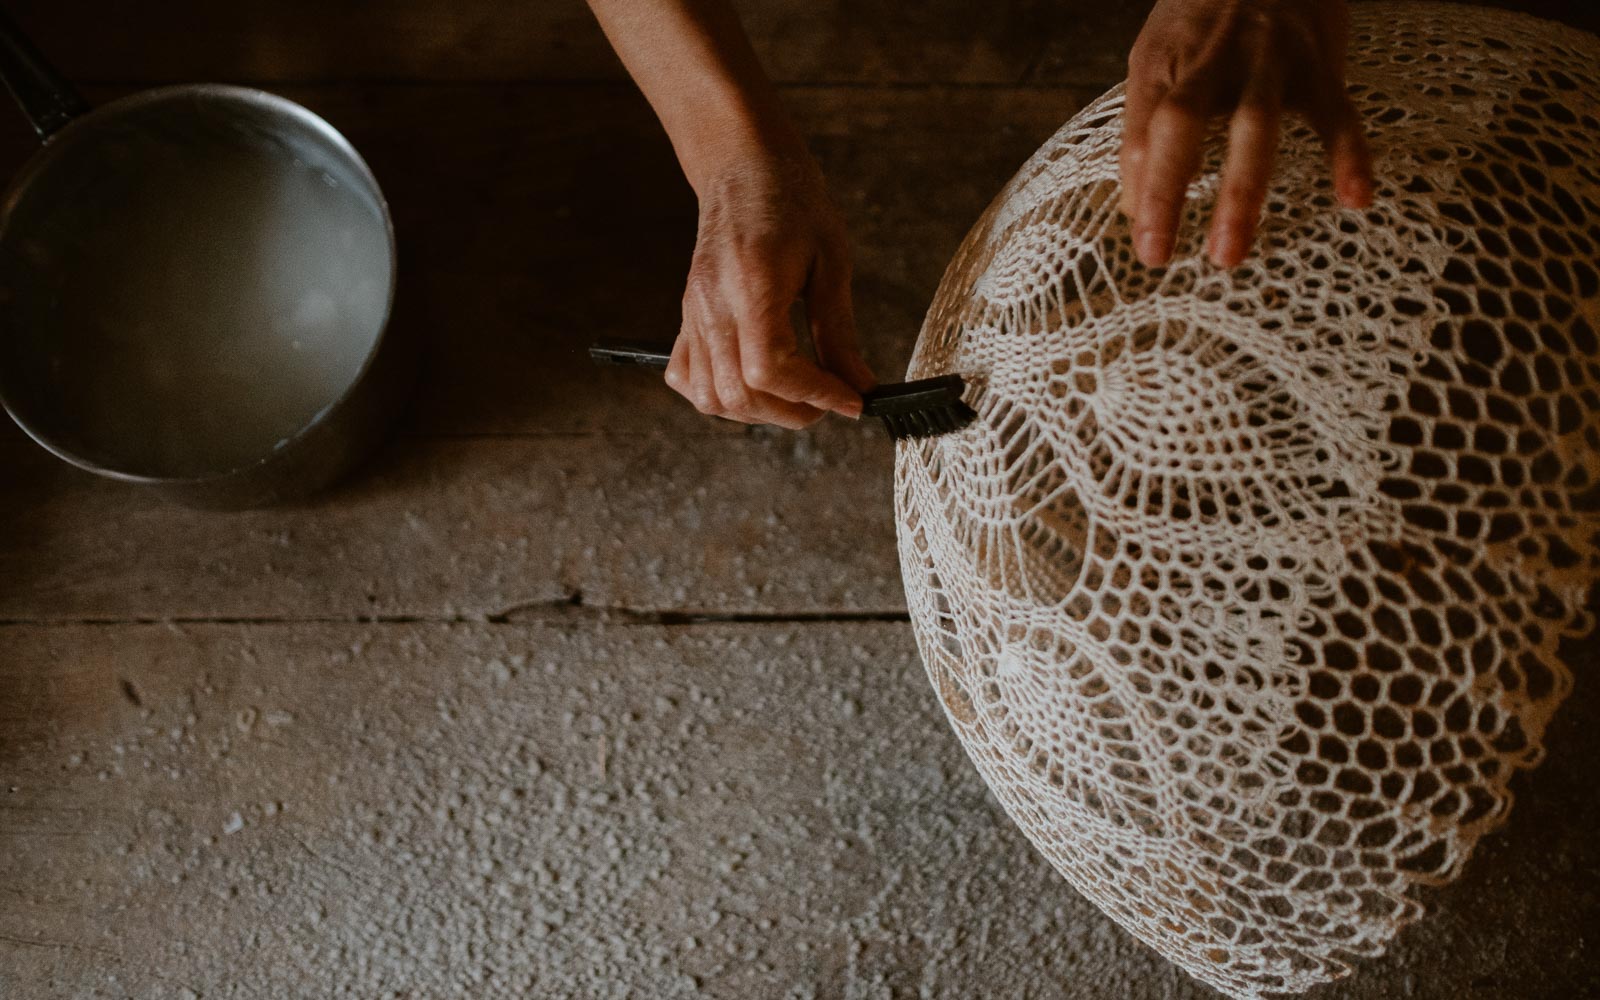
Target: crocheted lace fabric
point(1245, 590)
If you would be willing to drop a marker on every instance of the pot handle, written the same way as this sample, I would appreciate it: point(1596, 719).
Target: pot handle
point(48, 100)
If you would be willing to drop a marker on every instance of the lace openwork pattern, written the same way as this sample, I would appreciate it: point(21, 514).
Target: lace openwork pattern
point(1244, 592)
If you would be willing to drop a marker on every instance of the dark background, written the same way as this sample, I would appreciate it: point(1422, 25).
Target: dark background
point(528, 178)
point(538, 206)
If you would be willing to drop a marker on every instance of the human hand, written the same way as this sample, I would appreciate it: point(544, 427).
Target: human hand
point(1250, 60)
point(769, 235)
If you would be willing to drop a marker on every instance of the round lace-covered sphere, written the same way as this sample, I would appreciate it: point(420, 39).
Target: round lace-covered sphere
point(1245, 589)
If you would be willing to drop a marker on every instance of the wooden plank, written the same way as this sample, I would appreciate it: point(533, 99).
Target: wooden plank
point(508, 811)
point(521, 810)
point(864, 41)
point(519, 246)
point(1073, 42)
point(763, 523)
point(592, 235)
point(533, 219)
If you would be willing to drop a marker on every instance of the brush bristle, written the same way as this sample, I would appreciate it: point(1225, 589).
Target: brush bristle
point(919, 409)
point(931, 422)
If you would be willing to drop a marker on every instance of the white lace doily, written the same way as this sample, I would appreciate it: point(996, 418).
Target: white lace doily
point(1244, 591)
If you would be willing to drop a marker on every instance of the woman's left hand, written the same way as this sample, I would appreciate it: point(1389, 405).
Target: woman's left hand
point(1250, 60)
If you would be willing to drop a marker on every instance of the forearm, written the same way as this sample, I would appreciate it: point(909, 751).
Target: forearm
point(696, 68)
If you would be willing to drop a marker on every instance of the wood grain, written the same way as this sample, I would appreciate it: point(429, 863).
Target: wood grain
point(276, 753)
point(524, 475)
point(764, 523)
point(1008, 42)
point(862, 41)
point(526, 231)
point(728, 811)
point(498, 811)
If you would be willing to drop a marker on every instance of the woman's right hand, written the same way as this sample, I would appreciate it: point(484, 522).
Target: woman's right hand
point(769, 235)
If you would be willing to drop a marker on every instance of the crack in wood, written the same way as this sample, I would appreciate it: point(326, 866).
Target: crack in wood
point(532, 613)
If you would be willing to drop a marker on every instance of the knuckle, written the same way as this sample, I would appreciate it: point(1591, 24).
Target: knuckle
point(1185, 103)
point(1242, 191)
point(706, 402)
point(1142, 59)
point(760, 373)
point(1255, 114)
point(1161, 204)
point(735, 396)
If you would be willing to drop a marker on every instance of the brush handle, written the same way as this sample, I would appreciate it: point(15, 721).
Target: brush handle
point(631, 352)
point(920, 396)
point(887, 399)
point(44, 95)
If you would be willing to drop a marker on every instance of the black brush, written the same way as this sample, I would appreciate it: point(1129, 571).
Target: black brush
point(924, 408)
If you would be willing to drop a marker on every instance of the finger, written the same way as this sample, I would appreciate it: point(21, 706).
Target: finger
point(677, 373)
point(1177, 131)
point(833, 322)
point(742, 402)
point(702, 385)
point(771, 362)
point(797, 379)
point(1246, 172)
point(1340, 128)
point(1141, 99)
point(765, 409)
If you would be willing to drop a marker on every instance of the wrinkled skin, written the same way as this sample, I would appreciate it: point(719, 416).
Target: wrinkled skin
point(1249, 62)
point(769, 236)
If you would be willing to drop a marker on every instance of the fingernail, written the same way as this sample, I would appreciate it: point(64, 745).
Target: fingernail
point(851, 410)
point(1355, 193)
point(1225, 250)
point(1153, 248)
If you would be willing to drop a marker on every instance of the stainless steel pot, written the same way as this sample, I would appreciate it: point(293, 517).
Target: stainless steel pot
point(195, 290)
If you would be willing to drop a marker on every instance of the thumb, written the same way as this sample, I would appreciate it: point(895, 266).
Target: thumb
point(831, 312)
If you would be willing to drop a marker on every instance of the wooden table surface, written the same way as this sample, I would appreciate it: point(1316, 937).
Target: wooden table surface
point(573, 692)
